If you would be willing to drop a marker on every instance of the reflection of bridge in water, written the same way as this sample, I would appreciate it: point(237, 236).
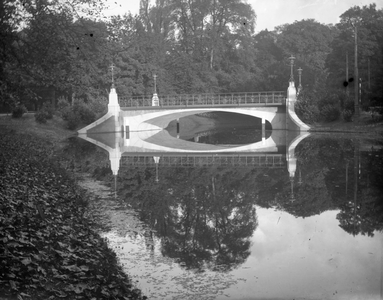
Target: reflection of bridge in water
point(237, 160)
point(158, 148)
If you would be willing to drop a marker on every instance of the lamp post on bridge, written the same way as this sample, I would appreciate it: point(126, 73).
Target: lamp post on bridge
point(112, 66)
point(292, 58)
point(155, 100)
point(155, 83)
point(300, 79)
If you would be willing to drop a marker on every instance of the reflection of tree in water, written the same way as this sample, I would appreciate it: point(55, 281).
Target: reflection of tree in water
point(362, 213)
point(199, 213)
point(203, 216)
point(213, 227)
point(340, 174)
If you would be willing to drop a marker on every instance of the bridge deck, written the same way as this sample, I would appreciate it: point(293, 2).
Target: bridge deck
point(207, 100)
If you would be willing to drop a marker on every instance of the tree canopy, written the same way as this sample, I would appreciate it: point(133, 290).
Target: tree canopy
point(58, 48)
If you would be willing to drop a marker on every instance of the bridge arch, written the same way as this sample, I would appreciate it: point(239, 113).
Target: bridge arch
point(150, 119)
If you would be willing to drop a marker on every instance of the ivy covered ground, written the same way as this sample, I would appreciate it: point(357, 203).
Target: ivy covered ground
point(48, 248)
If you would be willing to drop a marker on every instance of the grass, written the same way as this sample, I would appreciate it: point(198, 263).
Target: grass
point(53, 131)
point(364, 124)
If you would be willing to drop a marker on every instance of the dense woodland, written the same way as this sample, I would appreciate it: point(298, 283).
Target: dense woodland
point(64, 49)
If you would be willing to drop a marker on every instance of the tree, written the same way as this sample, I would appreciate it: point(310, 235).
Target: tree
point(46, 43)
point(309, 41)
point(368, 21)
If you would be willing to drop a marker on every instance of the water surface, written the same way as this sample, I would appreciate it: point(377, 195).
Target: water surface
point(307, 228)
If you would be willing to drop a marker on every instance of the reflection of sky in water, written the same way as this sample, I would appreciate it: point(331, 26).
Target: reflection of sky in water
point(310, 258)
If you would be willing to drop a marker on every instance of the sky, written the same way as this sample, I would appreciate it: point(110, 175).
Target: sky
point(271, 13)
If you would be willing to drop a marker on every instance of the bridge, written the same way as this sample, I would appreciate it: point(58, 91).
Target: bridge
point(137, 125)
point(158, 148)
point(147, 114)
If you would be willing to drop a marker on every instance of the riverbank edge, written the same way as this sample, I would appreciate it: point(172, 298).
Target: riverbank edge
point(52, 138)
point(363, 125)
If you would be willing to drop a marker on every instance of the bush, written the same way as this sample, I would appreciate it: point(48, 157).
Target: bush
point(330, 112)
point(87, 116)
point(63, 107)
point(349, 105)
point(73, 121)
point(18, 111)
point(48, 110)
point(347, 115)
point(80, 112)
point(41, 117)
point(65, 113)
point(306, 109)
point(98, 104)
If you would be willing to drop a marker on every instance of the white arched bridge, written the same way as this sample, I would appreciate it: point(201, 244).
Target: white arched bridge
point(138, 124)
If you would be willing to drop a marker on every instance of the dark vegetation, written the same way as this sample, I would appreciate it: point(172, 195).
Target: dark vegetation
point(51, 55)
point(49, 245)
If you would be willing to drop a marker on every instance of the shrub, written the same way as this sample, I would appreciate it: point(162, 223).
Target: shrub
point(41, 117)
point(73, 121)
point(80, 112)
point(347, 115)
point(83, 110)
point(328, 100)
point(65, 113)
point(349, 105)
point(18, 111)
point(63, 107)
point(306, 109)
point(330, 112)
point(98, 104)
point(48, 110)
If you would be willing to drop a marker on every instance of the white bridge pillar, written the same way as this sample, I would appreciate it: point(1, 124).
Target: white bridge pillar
point(155, 100)
point(113, 106)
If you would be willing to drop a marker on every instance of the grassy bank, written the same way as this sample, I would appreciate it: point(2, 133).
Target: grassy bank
point(48, 248)
point(364, 124)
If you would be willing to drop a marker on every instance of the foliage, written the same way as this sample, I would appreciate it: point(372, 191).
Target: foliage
point(73, 120)
point(48, 109)
point(84, 112)
point(306, 108)
point(18, 111)
point(193, 47)
point(45, 113)
point(50, 249)
point(368, 21)
point(330, 113)
point(80, 112)
point(329, 107)
point(41, 117)
point(347, 115)
point(349, 105)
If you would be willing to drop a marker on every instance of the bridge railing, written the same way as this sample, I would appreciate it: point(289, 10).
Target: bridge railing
point(229, 99)
point(261, 161)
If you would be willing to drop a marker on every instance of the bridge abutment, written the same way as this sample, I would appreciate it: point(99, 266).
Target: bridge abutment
point(292, 120)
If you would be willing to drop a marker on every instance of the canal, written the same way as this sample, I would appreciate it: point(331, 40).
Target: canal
point(276, 224)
